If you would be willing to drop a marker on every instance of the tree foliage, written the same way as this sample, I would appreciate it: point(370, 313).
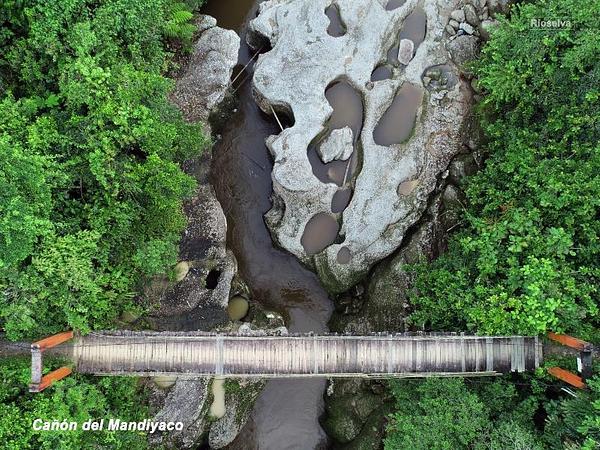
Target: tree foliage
point(90, 185)
point(445, 414)
point(77, 399)
point(528, 257)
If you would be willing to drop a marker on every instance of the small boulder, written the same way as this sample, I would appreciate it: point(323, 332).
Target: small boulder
point(463, 49)
point(405, 51)
point(458, 15)
point(467, 28)
point(451, 31)
point(338, 145)
point(471, 15)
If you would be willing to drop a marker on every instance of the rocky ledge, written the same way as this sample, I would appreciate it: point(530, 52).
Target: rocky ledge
point(341, 214)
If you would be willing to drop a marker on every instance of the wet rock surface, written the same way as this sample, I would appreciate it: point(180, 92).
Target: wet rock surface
point(295, 74)
point(186, 402)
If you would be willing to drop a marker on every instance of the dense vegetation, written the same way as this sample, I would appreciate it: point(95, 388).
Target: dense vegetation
point(448, 414)
point(90, 186)
point(77, 398)
point(91, 190)
point(527, 258)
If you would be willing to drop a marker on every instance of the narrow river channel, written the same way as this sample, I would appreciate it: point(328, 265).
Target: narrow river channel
point(286, 415)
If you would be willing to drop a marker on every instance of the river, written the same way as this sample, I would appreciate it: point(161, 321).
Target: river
point(286, 415)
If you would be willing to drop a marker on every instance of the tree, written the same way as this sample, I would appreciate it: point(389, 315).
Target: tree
point(92, 190)
point(527, 259)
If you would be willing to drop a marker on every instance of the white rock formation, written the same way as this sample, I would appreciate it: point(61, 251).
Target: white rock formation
point(338, 145)
point(303, 61)
point(406, 51)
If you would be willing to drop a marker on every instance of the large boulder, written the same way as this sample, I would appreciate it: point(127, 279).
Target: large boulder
point(186, 402)
point(392, 183)
point(198, 301)
point(205, 79)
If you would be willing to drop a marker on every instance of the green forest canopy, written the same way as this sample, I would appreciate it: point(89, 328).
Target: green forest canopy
point(90, 186)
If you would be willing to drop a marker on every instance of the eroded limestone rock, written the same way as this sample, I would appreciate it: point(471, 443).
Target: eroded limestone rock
point(294, 75)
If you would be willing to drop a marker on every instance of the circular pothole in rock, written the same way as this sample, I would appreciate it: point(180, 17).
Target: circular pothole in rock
point(319, 233)
point(406, 187)
point(344, 255)
point(397, 123)
point(336, 26)
point(237, 308)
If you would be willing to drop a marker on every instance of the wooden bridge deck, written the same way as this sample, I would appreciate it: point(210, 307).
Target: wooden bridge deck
point(385, 355)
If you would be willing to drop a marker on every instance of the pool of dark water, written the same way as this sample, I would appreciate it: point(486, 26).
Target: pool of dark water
point(286, 415)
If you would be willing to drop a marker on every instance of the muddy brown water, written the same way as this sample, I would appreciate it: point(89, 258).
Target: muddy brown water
point(320, 232)
point(347, 106)
point(383, 72)
point(340, 200)
point(230, 14)
point(344, 255)
point(393, 4)
point(346, 102)
point(398, 121)
point(414, 28)
point(336, 27)
point(286, 414)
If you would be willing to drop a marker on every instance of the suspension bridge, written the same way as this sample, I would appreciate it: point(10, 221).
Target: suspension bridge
point(381, 355)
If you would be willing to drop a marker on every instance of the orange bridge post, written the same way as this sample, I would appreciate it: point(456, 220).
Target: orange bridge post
point(584, 361)
point(39, 382)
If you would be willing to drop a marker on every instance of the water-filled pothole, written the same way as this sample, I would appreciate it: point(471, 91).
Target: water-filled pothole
point(319, 233)
point(382, 72)
point(344, 256)
point(406, 187)
point(336, 26)
point(340, 200)
point(347, 106)
point(398, 121)
point(414, 28)
point(393, 4)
